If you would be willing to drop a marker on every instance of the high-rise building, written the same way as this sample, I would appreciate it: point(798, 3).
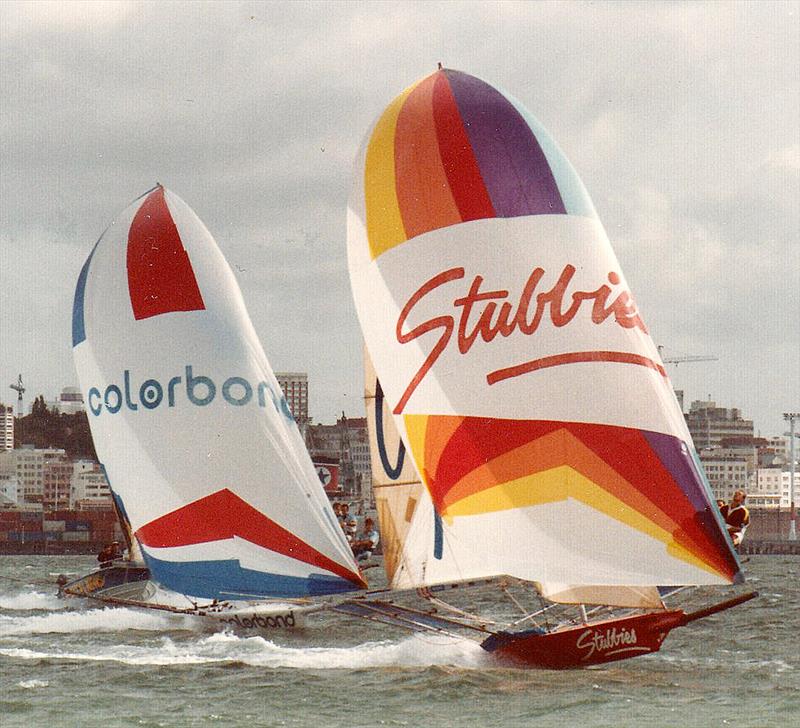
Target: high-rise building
point(57, 483)
point(89, 486)
point(6, 427)
point(770, 489)
point(726, 472)
point(30, 464)
point(347, 444)
point(9, 485)
point(295, 389)
point(709, 424)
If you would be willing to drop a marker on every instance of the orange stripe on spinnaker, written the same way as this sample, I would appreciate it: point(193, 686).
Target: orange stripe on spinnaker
point(423, 191)
point(575, 357)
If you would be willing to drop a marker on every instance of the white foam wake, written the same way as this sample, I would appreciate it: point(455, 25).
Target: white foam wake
point(30, 601)
point(115, 619)
point(414, 651)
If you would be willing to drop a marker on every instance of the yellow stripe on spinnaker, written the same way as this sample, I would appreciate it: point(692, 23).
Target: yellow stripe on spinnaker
point(559, 484)
point(415, 432)
point(384, 222)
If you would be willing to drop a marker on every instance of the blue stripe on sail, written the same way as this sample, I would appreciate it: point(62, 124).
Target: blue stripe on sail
point(226, 579)
point(78, 322)
point(391, 472)
point(438, 536)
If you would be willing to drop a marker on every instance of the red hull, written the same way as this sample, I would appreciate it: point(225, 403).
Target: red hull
point(586, 644)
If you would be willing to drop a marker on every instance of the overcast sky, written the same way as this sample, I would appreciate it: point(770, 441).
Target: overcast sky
point(682, 119)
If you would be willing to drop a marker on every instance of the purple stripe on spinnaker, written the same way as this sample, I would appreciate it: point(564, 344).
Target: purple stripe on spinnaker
point(681, 467)
point(513, 166)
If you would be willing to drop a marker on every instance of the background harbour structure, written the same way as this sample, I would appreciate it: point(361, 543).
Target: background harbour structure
point(295, 388)
point(69, 401)
point(709, 425)
point(50, 478)
point(6, 427)
point(791, 417)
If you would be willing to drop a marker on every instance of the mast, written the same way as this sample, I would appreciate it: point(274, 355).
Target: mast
point(791, 417)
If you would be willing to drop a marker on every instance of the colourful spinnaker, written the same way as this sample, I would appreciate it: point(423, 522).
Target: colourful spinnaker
point(522, 379)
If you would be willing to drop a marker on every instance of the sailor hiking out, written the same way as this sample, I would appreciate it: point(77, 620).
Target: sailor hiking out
point(737, 516)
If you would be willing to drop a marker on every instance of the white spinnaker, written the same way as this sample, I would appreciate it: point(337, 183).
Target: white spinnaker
point(163, 458)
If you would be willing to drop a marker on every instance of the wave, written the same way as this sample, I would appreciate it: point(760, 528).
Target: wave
point(31, 601)
point(732, 660)
point(33, 684)
point(414, 651)
point(110, 619)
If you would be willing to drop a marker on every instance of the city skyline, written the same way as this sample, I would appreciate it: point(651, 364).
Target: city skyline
point(283, 377)
point(680, 119)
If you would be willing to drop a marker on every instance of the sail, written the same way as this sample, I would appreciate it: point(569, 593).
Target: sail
point(400, 496)
point(396, 486)
point(196, 438)
point(520, 374)
point(131, 544)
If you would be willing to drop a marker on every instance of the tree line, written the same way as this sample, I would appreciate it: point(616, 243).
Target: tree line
point(49, 428)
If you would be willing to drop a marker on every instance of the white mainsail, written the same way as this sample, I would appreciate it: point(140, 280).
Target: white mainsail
point(189, 421)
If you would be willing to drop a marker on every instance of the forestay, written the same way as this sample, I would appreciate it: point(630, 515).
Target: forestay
point(519, 372)
point(189, 421)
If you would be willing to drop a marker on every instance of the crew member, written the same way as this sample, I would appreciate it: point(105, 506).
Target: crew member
point(350, 528)
point(368, 540)
point(108, 554)
point(737, 517)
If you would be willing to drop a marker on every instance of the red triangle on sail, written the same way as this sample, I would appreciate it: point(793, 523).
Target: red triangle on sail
point(160, 274)
point(223, 515)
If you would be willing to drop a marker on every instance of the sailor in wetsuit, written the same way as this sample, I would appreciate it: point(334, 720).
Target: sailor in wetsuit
point(736, 516)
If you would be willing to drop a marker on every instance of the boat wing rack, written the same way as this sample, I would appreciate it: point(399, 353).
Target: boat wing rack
point(404, 617)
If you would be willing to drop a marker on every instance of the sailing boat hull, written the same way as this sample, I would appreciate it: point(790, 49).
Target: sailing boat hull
point(585, 644)
point(122, 579)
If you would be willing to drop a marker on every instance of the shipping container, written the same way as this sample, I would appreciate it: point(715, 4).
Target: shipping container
point(75, 536)
point(77, 525)
point(26, 536)
point(55, 526)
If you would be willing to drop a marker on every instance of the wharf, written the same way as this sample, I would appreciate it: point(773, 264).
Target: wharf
point(773, 548)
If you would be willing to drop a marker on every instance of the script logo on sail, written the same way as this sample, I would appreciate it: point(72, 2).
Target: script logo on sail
point(487, 313)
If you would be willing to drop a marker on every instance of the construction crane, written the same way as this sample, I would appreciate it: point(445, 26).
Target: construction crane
point(682, 359)
point(20, 389)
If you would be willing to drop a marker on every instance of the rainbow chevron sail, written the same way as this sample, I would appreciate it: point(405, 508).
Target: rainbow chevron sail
point(189, 421)
point(517, 368)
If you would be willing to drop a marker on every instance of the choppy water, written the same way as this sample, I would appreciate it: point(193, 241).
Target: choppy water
point(67, 663)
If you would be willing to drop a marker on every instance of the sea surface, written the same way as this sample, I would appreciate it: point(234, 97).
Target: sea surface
point(72, 663)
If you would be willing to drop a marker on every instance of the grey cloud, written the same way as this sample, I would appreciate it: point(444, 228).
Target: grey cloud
point(672, 113)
